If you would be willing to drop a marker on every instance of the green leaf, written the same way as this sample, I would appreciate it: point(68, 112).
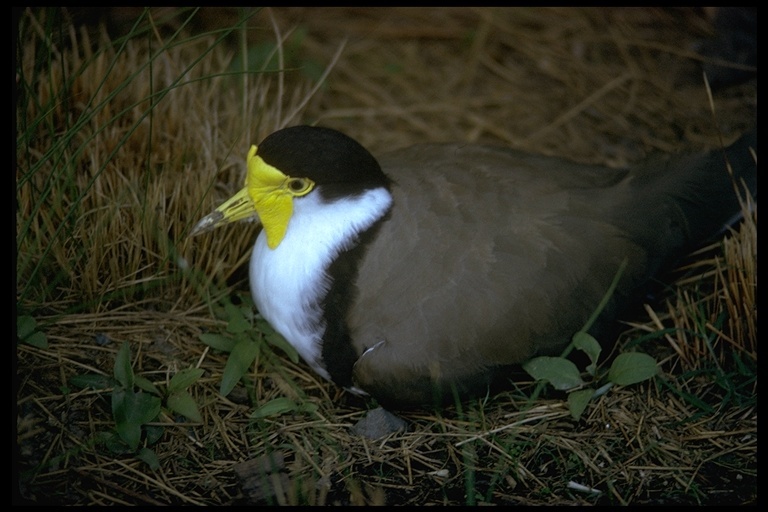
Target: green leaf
point(275, 407)
point(25, 332)
point(308, 407)
point(283, 405)
point(239, 361)
point(116, 445)
point(131, 410)
point(154, 433)
point(218, 341)
point(92, 380)
point(183, 403)
point(558, 371)
point(37, 339)
point(149, 456)
point(123, 370)
point(25, 325)
point(278, 341)
point(578, 401)
point(184, 379)
point(237, 321)
point(589, 345)
point(128, 430)
point(631, 368)
point(264, 327)
point(145, 384)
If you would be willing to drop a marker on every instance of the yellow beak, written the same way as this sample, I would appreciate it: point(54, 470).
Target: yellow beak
point(238, 207)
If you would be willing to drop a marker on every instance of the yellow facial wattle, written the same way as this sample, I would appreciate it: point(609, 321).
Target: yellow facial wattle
point(268, 193)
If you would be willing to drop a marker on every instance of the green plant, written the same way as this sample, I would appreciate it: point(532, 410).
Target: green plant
point(628, 368)
point(134, 410)
point(243, 341)
point(26, 332)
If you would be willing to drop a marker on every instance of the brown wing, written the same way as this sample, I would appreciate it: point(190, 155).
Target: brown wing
point(488, 259)
point(492, 256)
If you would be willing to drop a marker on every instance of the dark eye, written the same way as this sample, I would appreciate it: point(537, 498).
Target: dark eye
point(299, 186)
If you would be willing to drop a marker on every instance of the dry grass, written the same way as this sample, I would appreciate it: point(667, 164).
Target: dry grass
point(126, 137)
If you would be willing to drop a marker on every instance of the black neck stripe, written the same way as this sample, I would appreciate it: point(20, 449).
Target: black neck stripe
point(339, 356)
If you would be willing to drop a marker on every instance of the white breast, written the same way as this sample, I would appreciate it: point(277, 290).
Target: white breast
point(290, 281)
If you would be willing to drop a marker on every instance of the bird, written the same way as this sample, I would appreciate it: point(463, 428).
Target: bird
point(431, 272)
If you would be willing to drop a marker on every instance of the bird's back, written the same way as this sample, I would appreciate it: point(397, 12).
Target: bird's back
point(507, 254)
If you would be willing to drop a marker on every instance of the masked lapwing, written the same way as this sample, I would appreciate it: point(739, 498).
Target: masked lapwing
point(435, 270)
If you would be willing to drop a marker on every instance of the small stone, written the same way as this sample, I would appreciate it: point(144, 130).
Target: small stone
point(378, 423)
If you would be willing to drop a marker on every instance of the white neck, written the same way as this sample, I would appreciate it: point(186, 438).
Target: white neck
point(289, 282)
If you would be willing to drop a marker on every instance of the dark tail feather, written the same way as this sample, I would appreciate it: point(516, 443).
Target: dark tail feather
point(689, 199)
point(743, 162)
point(714, 188)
